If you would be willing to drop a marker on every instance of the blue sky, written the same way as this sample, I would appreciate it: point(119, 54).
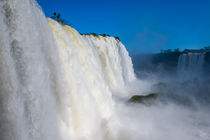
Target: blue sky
point(142, 25)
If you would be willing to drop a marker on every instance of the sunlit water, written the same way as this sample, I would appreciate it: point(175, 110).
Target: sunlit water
point(58, 85)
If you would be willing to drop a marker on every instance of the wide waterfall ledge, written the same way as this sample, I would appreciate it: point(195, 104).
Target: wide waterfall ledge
point(111, 54)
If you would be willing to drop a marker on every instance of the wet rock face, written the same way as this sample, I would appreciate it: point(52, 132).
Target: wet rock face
point(143, 99)
point(207, 63)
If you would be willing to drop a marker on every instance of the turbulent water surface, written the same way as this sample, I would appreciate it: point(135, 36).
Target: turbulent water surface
point(56, 84)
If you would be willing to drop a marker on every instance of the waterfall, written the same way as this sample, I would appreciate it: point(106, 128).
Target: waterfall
point(56, 84)
point(116, 63)
point(190, 65)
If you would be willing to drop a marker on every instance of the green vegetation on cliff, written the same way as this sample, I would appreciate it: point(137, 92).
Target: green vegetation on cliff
point(145, 99)
point(97, 35)
point(57, 17)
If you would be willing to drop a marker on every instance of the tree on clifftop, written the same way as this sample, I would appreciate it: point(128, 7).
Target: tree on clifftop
point(57, 17)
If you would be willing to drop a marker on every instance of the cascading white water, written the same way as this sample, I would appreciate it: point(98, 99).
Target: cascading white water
point(116, 63)
point(190, 65)
point(54, 83)
point(89, 93)
point(29, 73)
